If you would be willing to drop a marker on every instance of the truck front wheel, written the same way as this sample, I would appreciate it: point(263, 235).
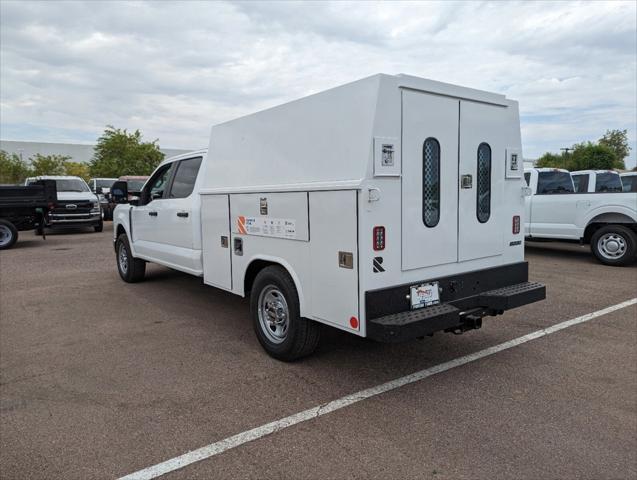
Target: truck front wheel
point(274, 304)
point(8, 234)
point(614, 245)
point(131, 269)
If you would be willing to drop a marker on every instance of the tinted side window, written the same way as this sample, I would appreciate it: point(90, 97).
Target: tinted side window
point(608, 182)
point(554, 182)
point(431, 182)
point(483, 190)
point(185, 177)
point(581, 183)
point(629, 183)
point(157, 184)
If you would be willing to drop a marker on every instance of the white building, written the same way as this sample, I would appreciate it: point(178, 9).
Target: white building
point(77, 152)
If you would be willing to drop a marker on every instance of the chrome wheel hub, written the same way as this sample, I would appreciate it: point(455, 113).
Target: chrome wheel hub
point(122, 258)
point(274, 314)
point(611, 246)
point(5, 235)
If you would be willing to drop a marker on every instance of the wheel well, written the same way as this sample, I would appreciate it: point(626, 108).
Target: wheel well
point(120, 230)
point(253, 270)
point(592, 227)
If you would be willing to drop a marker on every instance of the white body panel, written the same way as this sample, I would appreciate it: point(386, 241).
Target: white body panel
point(217, 252)
point(316, 163)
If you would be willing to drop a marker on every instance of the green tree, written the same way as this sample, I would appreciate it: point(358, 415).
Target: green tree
point(589, 156)
point(48, 164)
point(617, 141)
point(77, 169)
point(551, 160)
point(12, 168)
point(121, 153)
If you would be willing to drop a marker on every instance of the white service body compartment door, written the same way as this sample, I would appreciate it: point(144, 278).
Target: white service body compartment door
point(429, 180)
point(215, 232)
point(334, 229)
point(482, 157)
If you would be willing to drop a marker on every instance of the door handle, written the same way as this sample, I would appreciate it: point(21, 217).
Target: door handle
point(152, 214)
point(182, 214)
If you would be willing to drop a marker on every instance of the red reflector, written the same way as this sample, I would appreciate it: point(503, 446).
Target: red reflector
point(516, 224)
point(353, 322)
point(379, 238)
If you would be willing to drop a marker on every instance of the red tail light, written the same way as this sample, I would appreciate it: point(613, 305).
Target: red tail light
point(516, 224)
point(379, 238)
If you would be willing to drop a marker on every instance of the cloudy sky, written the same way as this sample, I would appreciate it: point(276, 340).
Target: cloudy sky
point(174, 69)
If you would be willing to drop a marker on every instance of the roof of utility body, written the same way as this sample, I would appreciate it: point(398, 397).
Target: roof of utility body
point(322, 141)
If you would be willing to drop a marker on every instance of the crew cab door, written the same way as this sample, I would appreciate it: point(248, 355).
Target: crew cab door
point(145, 217)
point(173, 221)
point(553, 207)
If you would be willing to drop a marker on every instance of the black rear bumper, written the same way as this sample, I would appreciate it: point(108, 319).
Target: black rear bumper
point(465, 299)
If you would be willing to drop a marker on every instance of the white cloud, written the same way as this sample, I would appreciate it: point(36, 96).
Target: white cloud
point(174, 69)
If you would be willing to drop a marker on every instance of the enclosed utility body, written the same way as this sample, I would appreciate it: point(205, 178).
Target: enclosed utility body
point(393, 204)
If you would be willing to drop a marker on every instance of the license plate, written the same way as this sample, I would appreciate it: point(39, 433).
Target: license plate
point(424, 295)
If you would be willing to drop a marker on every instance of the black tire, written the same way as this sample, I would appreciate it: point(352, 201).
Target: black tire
point(8, 234)
point(301, 335)
point(100, 226)
point(134, 269)
point(614, 245)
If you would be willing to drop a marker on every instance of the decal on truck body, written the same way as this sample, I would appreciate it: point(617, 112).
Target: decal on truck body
point(267, 227)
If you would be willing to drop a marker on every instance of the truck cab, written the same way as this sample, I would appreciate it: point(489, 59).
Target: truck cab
point(76, 206)
point(600, 181)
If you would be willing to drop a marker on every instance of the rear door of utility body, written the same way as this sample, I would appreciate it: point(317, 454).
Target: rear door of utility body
point(452, 181)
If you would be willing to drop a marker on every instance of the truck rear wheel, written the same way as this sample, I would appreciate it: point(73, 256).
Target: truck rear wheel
point(614, 245)
point(274, 304)
point(131, 269)
point(8, 234)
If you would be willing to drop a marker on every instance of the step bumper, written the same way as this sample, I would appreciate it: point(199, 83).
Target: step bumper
point(401, 326)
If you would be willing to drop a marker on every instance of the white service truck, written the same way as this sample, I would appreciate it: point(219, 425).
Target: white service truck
point(389, 208)
point(556, 211)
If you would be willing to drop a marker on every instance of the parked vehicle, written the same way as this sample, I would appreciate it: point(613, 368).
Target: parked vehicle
point(24, 208)
point(101, 187)
point(76, 207)
point(606, 181)
point(606, 221)
point(629, 181)
point(348, 208)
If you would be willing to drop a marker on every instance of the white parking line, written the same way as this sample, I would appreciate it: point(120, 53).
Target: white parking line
point(278, 425)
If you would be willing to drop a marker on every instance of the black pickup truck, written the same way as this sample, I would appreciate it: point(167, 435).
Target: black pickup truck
point(25, 208)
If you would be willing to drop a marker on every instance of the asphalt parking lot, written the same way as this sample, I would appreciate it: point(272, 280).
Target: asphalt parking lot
point(100, 379)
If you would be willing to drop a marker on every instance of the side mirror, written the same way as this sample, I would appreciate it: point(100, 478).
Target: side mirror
point(99, 190)
point(119, 192)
